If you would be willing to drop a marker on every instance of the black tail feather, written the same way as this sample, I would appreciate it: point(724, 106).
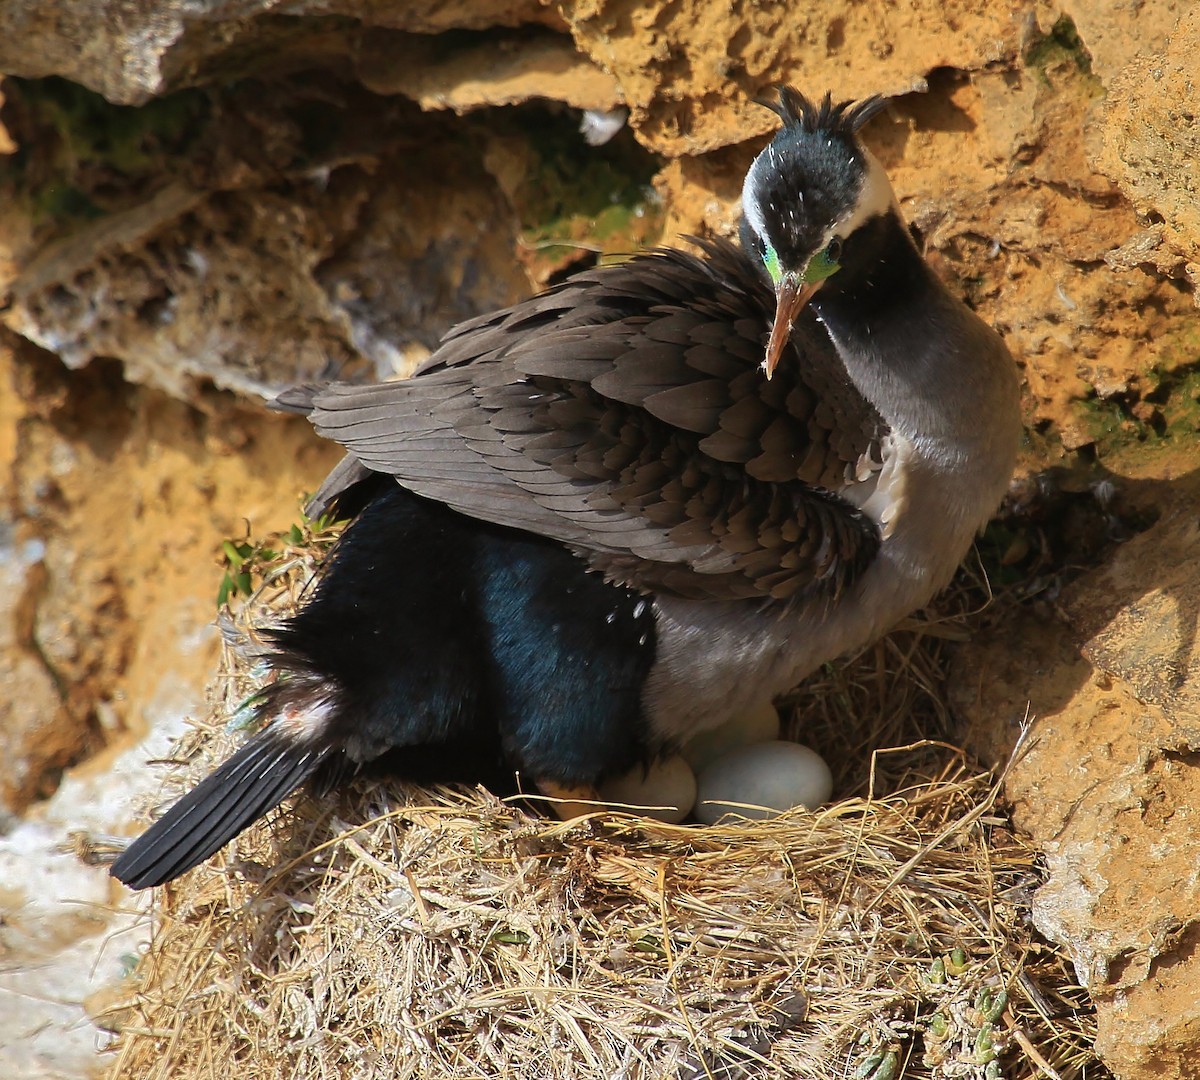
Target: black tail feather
point(256, 779)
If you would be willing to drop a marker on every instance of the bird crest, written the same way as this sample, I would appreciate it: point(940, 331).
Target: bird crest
point(845, 117)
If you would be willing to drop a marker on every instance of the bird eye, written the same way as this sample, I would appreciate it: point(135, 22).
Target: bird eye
point(833, 251)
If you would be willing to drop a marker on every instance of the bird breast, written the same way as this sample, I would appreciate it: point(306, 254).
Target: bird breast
point(720, 661)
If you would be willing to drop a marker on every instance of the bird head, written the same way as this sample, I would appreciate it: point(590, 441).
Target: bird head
point(805, 195)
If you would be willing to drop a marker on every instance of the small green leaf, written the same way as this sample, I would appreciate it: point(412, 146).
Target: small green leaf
point(882, 1064)
point(991, 1003)
point(869, 1064)
point(888, 1068)
point(233, 553)
point(246, 715)
point(648, 944)
point(512, 937)
point(985, 1044)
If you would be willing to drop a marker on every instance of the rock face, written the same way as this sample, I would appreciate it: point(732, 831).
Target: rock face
point(1124, 892)
point(1108, 787)
point(1152, 146)
point(209, 202)
point(132, 50)
point(352, 264)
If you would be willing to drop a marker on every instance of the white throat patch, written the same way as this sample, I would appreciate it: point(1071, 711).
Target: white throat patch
point(875, 198)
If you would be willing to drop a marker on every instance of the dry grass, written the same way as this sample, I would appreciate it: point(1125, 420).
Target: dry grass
point(403, 932)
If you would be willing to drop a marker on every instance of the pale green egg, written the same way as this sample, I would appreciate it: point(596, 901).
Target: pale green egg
point(761, 780)
point(666, 791)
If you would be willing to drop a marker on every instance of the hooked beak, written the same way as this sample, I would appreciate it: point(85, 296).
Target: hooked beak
point(791, 296)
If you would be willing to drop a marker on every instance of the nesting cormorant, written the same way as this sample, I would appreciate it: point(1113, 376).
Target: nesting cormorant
point(636, 506)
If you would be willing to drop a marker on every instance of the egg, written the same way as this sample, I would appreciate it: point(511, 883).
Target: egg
point(758, 725)
point(669, 786)
point(775, 776)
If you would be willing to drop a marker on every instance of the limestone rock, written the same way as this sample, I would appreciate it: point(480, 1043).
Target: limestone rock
point(357, 191)
point(542, 66)
point(1115, 32)
point(1152, 149)
point(38, 738)
point(690, 93)
point(261, 286)
point(132, 50)
point(1139, 618)
point(1107, 785)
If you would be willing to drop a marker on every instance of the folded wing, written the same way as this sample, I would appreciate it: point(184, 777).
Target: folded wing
point(624, 415)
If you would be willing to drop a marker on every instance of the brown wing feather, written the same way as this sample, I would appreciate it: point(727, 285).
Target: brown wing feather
point(624, 415)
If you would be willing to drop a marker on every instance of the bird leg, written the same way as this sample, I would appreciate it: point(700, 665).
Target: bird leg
point(570, 802)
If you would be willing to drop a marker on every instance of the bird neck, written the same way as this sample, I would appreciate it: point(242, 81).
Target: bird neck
point(928, 364)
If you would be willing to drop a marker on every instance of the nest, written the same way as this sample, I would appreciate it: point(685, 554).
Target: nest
point(394, 931)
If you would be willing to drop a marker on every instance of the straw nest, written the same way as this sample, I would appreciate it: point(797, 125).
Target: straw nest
point(392, 931)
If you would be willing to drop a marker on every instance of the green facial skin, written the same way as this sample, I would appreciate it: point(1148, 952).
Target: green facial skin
point(820, 267)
